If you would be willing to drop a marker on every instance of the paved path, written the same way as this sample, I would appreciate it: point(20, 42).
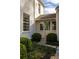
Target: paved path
point(43, 42)
point(47, 45)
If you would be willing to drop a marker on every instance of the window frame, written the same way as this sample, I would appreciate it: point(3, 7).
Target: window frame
point(41, 26)
point(26, 20)
point(54, 27)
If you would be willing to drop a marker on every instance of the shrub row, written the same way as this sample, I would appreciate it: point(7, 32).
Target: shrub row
point(51, 38)
point(25, 48)
point(23, 51)
point(26, 44)
point(36, 37)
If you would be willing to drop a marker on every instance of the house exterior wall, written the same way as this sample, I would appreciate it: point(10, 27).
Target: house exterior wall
point(57, 22)
point(42, 10)
point(37, 9)
point(29, 7)
point(22, 3)
point(57, 30)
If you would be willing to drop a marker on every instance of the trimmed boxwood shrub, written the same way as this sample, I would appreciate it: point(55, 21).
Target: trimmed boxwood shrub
point(27, 42)
point(52, 39)
point(23, 52)
point(36, 37)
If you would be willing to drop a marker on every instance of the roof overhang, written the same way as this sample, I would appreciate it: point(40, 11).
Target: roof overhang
point(47, 17)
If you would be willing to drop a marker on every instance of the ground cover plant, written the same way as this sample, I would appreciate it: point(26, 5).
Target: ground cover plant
point(33, 50)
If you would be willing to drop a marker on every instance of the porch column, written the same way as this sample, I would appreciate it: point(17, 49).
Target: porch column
point(57, 22)
point(51, 25)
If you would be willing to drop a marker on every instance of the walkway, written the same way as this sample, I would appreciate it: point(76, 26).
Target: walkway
point(43, 42)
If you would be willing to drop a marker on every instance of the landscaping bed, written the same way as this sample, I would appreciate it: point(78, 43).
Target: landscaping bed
point(38, 51)
point(33, 50)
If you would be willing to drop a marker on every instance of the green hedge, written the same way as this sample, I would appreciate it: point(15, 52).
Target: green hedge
point(52, 39)
point(27, 42)
point(36, 37)
point(23, 52)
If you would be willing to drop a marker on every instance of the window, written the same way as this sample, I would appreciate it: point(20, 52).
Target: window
point(47, 25)
point(53, 25)
point(41, 26)
point(25, 22)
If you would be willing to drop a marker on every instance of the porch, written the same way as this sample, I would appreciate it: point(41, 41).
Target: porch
point(45, 24)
